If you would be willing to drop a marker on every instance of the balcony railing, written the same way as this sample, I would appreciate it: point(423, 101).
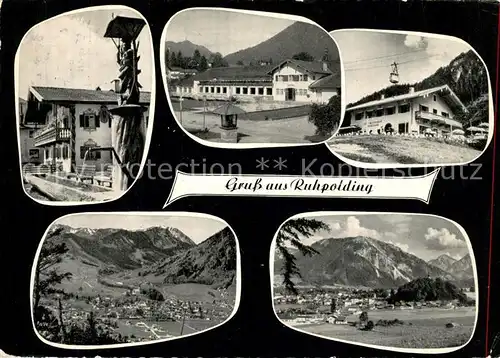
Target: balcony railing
point(51, 135)
point(436, 118)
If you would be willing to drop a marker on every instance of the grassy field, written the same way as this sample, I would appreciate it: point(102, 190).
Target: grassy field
point(171, 328)
point(422, 328)
point(401, 150)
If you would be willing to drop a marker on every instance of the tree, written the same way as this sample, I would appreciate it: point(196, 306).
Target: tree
point(333, 306)
point(326, 117)
point(240, 63)
point(173, 60)
point(203, 64)
point(47, 275)
point(196, 57)
point(217, 60)
point(363, 318)
point(369, 326)
point(179, 58)
point(303, 56)
point(290, 235)
point(167, 57)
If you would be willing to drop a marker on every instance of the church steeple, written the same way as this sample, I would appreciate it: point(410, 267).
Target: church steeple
point(326, 56)
point(325, 59)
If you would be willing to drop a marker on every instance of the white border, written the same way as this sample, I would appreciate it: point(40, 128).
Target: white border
point(142, 213)
point(387, 348)
point(179, 174)
point(151, 104)
point(271, 15)
point(398, 165)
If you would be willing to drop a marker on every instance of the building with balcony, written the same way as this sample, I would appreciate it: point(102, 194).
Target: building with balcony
point(291, 81)
point(179, 72)
point(71, 121)
point(416, 112)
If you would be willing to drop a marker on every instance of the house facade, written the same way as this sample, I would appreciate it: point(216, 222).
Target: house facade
point(291, 81)
point(71, 122)
point(430, 110)
point(299, 81)
point(179, 72)
point(29, 153)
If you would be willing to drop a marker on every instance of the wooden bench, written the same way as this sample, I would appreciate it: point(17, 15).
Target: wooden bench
point(105, 177)
point(84, 172)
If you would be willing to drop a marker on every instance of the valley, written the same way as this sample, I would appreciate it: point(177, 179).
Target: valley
point(363, 290)
point(135, 286)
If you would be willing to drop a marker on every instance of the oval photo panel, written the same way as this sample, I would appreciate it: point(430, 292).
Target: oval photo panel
point(120, 279)
point(270, 86)
point(85, 106)
point(412, 99)
point(394, 281)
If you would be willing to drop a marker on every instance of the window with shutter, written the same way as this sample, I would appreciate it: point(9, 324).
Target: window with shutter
point(89, 121)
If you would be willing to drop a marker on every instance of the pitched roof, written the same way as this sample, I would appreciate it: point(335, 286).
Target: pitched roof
point(185, 70)
point(445, 91)
point(311, 66)
point(235, 73)
point(330, 81)
point(59, 94)
point(228, 109)
point(184, 82)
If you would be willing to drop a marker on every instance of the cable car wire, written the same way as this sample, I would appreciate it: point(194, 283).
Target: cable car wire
point(384, 66)
point(382, 57)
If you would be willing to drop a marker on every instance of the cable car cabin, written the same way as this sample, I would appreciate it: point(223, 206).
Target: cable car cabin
point(394, 78)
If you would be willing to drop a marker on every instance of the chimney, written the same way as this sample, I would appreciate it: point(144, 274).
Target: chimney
point(117, 85)
point(382, 96)
point(412, 89)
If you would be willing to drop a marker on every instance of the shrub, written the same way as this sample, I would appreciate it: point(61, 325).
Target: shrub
point(369, 326)
point(478, 144)
point(326, 117)
point(388, 323)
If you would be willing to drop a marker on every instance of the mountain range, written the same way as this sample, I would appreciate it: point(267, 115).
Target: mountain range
point(461, 268)
point(212, 262)
point(103, 252)
point(366, 262)
point(187, 48)
point(296, 38)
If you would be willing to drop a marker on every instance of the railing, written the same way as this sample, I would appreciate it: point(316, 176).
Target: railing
point(49, 135)
point(437, 118)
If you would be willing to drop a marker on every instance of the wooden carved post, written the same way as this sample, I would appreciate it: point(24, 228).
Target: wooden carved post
point(128, 134)
point(128, 139)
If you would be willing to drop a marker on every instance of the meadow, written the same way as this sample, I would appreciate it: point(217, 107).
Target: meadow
point(420, 328)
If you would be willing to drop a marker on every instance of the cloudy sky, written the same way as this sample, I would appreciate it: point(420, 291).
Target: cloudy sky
point(367, 58)
point(223, 31)
point(424, 236)
point(197, 228)
point(70, 51)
